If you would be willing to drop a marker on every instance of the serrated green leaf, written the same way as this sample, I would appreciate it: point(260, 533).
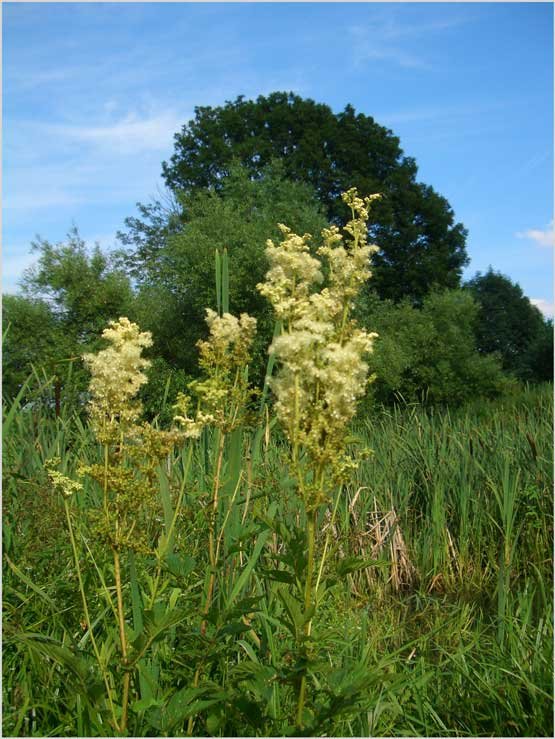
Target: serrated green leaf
point(352, 564)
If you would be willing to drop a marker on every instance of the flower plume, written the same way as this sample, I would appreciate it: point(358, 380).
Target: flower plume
point(117, 375)
point(321, 351)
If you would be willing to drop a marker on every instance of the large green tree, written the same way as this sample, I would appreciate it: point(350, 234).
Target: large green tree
point(510, 325)
point(421, 244)
point(68, 297)
point(83, 286)
point(31, 339)
point(178, 281)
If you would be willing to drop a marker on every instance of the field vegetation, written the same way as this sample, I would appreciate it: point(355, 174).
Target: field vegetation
point(438, 611)
point(245, 493)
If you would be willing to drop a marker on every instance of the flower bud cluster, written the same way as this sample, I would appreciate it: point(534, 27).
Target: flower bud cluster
point(224, 356)
point(60, 482)
point(321, 352)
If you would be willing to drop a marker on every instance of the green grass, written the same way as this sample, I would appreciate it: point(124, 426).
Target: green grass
point(447, 630)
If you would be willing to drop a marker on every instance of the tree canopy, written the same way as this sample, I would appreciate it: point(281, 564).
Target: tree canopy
point(82, 286)
point(237, 172)
point(178, 280)
point(429, 354)
point(68, 297)
point(421, 245)
point(510, 325)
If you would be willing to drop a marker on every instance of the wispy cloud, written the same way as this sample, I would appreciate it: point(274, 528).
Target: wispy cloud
point(366, 50)
point(27, 80)
point(112, 158)
point(369, 47)
point(35, 197)
point(462, 109)
point(132, 133)
point(547, 308)
point(542, 237)
point(388, 38)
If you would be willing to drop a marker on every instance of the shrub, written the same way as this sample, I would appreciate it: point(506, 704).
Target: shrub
point(430, 354)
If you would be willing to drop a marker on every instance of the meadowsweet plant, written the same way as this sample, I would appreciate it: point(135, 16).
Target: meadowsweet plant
point(117, 374)
point(322, 369)
point(223, 395)
point(223, 398)
point(222, 401)
point(321, 351)
point(132, 449)
point(127, 477)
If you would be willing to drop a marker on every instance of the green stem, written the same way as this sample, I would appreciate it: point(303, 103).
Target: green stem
point(326, 545)
point(123, 642)
point(213, 559)
point(311, 529)
point(105, 490)
point(166, 543)
point(212, 530)
point(88, 618)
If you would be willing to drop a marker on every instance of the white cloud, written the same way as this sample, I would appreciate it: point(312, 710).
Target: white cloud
point(37, 198)
point(545, 237)
point(114, 158)
point(367, 48)
point(131, 134)
point(547, 308)
point(381, 39)
point(459, 113)
point(25, 79)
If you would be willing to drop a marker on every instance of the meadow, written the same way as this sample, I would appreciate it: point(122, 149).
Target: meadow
point(446, 631)
point(276, 563)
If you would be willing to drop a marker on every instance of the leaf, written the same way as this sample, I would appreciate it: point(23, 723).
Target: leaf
point(163, 486)
point(352, 564)
point(245, 574)
point(293, 610)
point(145, 703)
point(136, 601)
point(250, 710)
point(279, 576)
point(214, 722)
point(16, 403)
point(225, 282)
point(155, 625)
point(218, 275)
point(256, 677)
point(148, 678)
point(179, 565)
point(235, 627)
point(23, 577)
point(189, 702)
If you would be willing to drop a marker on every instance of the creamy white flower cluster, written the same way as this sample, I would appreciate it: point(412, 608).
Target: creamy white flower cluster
point(321, 371)
point(61, 483)
point(117, 374)
point(229, 341)
point(293, 272)
point(223, 357)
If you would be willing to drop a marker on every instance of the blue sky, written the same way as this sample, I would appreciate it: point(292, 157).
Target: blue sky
point(93, 93)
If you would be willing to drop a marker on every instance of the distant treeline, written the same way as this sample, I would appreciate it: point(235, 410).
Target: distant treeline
point(238, 171)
